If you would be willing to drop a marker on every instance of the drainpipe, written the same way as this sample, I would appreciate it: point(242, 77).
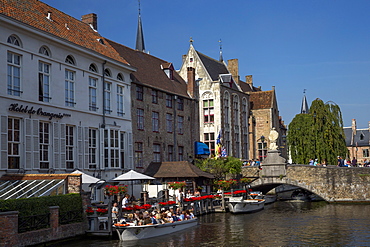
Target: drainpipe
point(103, 80)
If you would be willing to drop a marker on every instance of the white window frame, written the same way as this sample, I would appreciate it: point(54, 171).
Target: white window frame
point(120, 94)
point(107, 99)
point(44, 81)
point(70, 77)
point(14, 143)
point(70, 153)
point(44, 143)
point(93, 134)
point(14, 62)
point(93, 94)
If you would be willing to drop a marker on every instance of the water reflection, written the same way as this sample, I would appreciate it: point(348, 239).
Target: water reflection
point(279, 224)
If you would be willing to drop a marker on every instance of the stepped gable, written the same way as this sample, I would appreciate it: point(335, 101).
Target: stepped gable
point(261, 100)
point(34, 13)
point(214, 67)
point(150, 70)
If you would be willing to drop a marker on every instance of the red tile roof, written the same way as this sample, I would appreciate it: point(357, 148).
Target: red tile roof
point(149, 71)
point(261, 100)
point(34, 13)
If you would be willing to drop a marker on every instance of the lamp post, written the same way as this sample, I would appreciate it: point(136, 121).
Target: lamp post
point(262, 148)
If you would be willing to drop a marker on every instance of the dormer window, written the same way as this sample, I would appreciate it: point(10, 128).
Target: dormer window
point(12, 39)
point(70, 60)
point(362, 137)
point(168, 69)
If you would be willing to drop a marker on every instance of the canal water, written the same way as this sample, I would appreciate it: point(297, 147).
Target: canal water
point(282, 223)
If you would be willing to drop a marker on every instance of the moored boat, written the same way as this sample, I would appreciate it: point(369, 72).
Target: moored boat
point(241, 205)
point(131, 232)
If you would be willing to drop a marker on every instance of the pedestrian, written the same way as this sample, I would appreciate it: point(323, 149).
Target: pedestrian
point(310, 162)
point(115, 212)
point(125, 201)
point(354, 162)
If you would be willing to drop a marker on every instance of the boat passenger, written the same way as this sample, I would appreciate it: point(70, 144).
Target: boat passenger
point(190, 214)
point(159, 219)
point(183, 215)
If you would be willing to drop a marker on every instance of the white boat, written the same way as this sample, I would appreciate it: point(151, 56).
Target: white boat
point(241, 205)
point(270, 198)
point(128, 233)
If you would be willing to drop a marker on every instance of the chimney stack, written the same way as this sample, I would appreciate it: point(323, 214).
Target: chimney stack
point(233, 67)
point(192, 87)
point(249, 80)
point(354, 127)
point(91, 19)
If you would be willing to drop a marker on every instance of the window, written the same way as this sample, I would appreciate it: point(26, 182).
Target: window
point(170, 153)
point(180, 104)
point(14, 143)
point(120, 77)
point(44, 82)
point(169, 101)
point(209, 140)
point(140, 119)
point(365, 153)
point(154, 96)
point(13, 40)
point(92, 94)
point(70, 88)
point(107, 90)
point(14, 74)
point(169, 122)
point(122, 149)
point(44, 51)
point(69, 147)
point(156, 152)
point(180, 124)
point(181, 153)
point(111, 149)
point(107, 73)
point(93, 68)
point(120, 91)
point(226, 108)
point(208, 111)
point(139, 155)
point(70, 60)
point(155, 121)
point(44, 142)
point(92, 148)
point(262, 150)
point(236, 111)
point(245, 116)
point(139, 92)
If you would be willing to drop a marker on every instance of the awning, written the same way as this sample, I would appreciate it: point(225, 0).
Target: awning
point(201, 148)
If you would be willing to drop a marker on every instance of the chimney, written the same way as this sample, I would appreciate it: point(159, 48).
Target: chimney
point(91, 19)
point(354, 127)
point(192, 87)
point(233, 67)
point(249, 80)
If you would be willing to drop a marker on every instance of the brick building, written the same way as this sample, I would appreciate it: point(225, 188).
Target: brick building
point(358, 142)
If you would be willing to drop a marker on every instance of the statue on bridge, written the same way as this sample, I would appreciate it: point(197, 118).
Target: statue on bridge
point(274, 135)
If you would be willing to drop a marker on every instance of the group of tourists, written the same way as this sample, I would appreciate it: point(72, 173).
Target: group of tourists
point(314, 162)
point(252, 162)
point(341, 162)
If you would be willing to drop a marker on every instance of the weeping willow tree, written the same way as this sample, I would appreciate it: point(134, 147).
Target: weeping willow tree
point(318, 134)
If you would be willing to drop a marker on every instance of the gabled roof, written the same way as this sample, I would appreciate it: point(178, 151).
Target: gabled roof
point(261, 100)
point(361, 139)
point(176, 169)
point(34, 14)
point(149, 71)
point(213, 67)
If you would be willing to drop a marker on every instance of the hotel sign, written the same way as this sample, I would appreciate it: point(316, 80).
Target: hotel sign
point(33, 111)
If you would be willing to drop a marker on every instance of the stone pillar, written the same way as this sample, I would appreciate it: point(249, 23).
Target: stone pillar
point(54, 219)
point(9, 228)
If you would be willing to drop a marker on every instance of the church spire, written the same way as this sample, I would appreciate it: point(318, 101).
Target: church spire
point(139, 35)
point(221, 58)
point(304, 107)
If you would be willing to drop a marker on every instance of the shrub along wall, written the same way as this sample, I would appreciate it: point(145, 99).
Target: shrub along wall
point(40, 205)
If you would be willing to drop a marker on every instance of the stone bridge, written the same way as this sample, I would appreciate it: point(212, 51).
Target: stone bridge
point(332, 183)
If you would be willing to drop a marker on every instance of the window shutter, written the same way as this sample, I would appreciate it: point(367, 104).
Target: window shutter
point(80, 148)
point(36, 144)
point(101, 150)
point(4, 142)
point(28, 144)
point(86, 147)
point(63, 146)
point(56, 140)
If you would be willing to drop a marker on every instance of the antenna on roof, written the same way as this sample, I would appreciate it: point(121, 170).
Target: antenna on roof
point(221, 58)
point(139, 35)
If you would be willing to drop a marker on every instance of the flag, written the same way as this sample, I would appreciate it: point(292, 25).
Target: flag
point(218, 151)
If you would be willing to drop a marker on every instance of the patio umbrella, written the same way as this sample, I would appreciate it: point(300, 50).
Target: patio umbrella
point(132, 176)
point(86, 179)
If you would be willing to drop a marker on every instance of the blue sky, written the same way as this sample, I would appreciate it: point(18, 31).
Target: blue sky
point(318, 45)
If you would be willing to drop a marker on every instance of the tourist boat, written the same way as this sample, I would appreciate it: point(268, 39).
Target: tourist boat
point(130, 232)
point(270, 198)
point(241, 204)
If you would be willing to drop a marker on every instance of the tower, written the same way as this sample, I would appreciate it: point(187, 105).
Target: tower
point(139, 35)
point(304, 107)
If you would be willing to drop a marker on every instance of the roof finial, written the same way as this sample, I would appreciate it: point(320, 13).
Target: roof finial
point(221, 58)
point(191, 40)
point(139, 35)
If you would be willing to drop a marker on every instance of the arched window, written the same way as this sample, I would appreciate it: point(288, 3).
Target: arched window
point(93, 68)
point(120, 77)
point(227, 108)
point(14, 40)
point(107, 73)
point(70, 60)
point(44, 51)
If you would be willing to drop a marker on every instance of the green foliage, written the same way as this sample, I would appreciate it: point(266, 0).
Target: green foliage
point(220, 167)
point(318, 134)
point(40, 205)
